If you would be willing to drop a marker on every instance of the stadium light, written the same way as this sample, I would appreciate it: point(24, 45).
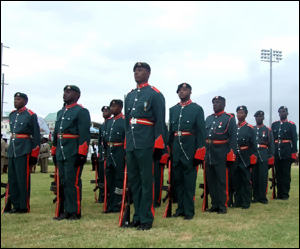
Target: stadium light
point(269, 55)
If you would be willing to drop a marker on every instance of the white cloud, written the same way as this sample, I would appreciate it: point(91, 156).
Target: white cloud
point(177, 15)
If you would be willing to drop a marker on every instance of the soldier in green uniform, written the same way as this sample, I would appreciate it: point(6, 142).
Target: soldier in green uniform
point(265, 157)
point(71, 139)
point(246, 147)
point(115, 162)
point(101, 150)
point(285, 138)
point(144, 126)
point(220, 153)
point(23, 151)
point(187, 141)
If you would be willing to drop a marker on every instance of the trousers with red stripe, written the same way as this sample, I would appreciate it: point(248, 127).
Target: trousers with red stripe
point(141, 179)
point(217, 179)
point(19, 182)
point(70, 179)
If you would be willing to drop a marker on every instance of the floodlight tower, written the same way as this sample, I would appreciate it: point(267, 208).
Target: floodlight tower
point(271, 56)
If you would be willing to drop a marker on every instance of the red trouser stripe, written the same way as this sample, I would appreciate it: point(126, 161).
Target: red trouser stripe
point(153, 192)
point(227, 192)
point(78, 191)
point(27, 182)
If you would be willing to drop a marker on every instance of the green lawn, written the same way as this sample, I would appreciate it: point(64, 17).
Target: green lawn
point(272, 225)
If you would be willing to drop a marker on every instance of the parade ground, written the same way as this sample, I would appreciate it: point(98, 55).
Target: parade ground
point(275, 225)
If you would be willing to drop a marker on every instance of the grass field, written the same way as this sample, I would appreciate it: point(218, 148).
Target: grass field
point(272, 225)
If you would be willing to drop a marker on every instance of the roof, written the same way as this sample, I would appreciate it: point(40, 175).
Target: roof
point(50, 117)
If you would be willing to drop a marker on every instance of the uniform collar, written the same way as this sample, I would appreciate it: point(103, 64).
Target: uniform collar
point(242, 124)
point(283, 121)
point(22, 109)
point(139, 86)
point(70, 106)
point(186, 103)
point(260, 126)
point(219, 113)
point(119, 116)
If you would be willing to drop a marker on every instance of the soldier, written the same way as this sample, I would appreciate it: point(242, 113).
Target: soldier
point(265, 157)
point(220, 153)
point(187, 140)
point(44, 155)
point(144, 126)
point(115, 162)
point(285, 137)
point(246, 147)
point(101, 150)
point(71, 138)
point(22, 152)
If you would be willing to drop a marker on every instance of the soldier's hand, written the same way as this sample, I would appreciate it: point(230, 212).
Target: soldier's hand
point(80, 160)
point(157, 154)
point(196, 162)
point(32, 160)
point(54, 159)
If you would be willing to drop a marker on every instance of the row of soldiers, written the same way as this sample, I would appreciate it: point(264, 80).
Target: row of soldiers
point(141, 135)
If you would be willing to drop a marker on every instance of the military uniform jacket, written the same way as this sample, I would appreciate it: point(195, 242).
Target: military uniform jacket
point(115, 136)
point(220, 127)
point(187, 131)
point(265, 143)
point(285, 137)
point(72, 132)
point(144, 118)
point(24, 122)
point(45, 150)
point(246, 143)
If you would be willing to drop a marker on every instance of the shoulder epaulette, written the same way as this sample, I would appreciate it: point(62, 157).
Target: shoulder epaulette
point(268, 128)
point(251, 126)
point(155, 89)
point(229, 114)
point(30, 112)
point(291, 122)
point(13, 111)
point(81, 105)
point(275, 121)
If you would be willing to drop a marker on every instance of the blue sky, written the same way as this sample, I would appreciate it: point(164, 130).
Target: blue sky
point(214, 46)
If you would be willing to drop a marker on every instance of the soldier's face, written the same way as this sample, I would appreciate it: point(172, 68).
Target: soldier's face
point(141, 75)
point(19, 102)
point(115, 109)
point(184, 93)
point(70, 96)
point(218, 105)
point(241, 115)
point(259, 119)
point(283, 114)
point(106, 113)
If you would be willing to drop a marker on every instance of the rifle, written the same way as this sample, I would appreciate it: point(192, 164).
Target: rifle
point(96, 182)
point(57, 189)
point(205, 192)
point(170, 191)
point(124, 218)
point(7, 205)
point(274, 183)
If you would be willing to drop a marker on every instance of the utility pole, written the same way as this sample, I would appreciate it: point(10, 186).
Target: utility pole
point(2, 81)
